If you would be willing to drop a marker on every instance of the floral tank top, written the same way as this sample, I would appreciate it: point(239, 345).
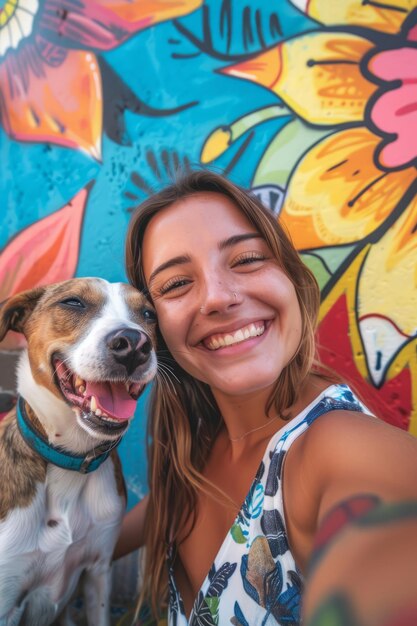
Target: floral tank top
point(254, 580)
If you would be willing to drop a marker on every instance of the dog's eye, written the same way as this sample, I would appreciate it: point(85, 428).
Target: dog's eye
point(73, 302)
point(149, 315)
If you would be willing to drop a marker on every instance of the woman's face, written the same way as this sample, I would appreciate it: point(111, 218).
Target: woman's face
point(228, 313)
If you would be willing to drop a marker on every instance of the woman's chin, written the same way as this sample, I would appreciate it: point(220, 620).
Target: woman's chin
point(243, 385)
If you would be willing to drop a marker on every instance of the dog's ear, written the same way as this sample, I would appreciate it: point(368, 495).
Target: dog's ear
point(15, 311)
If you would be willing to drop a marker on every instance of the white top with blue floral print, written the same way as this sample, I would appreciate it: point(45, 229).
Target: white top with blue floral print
point(254, 580)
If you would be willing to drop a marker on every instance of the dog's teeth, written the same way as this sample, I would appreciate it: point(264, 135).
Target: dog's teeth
point(93, 404)
point(81, 389)
point(107, 418)
point(78, 382)
point(127, 385)
point(104, 415)
point(98, 412)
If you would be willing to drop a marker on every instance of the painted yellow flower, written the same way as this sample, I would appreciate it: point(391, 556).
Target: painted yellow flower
point(356, 186)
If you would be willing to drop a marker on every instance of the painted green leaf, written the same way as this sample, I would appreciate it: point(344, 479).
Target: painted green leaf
point(318, 267)
point(285, 150)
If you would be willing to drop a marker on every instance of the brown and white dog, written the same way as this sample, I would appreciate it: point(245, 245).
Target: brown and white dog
point(90, 352)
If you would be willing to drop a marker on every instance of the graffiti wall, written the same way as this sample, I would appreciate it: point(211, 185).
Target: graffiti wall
point(310, 103)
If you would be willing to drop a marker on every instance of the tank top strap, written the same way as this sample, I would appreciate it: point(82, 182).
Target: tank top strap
point(335, 398)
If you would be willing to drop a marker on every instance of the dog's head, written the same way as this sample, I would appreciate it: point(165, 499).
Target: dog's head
point(90, 344)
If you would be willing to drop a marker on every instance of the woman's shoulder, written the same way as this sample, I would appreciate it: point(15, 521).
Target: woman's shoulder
point(345, 454)
point(349, 425)
point(321, 395)
point(358, 451)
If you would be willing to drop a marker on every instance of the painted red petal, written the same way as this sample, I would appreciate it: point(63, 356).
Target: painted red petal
point(43, 253)
point(393, 400)
point(411, 32)
point(104, 24)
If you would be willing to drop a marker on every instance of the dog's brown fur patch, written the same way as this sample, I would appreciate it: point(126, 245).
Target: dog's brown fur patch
point(53, 327)
point(21, 468)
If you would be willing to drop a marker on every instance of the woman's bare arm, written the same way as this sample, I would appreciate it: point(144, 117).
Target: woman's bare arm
point(132, 532)
point(363, 568)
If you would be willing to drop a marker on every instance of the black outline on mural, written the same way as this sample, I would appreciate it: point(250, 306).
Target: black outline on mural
point(205, 44)
point(119, 97)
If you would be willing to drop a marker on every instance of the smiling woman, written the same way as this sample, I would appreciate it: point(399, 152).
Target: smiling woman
point(239, 398)
point(219, 273)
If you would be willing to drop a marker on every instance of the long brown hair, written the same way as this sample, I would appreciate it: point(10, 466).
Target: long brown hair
point(184, 418)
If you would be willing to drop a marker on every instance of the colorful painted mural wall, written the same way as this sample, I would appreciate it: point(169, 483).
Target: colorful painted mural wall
point(311, 103)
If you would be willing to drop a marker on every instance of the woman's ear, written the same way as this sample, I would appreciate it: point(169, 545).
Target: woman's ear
point(15, 311)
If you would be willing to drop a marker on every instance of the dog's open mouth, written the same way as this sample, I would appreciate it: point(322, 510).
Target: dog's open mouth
point(112, 402)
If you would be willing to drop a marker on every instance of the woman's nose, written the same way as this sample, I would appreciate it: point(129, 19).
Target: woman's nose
point(219, 297)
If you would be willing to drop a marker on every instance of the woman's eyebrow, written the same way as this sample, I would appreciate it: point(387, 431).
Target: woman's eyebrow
point(177, 260)
point(180, 260)
point(232, 241)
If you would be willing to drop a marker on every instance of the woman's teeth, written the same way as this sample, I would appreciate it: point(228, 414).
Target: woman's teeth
point(242, 334)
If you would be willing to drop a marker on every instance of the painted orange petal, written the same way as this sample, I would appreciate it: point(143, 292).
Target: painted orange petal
point(59, 104)
point(45, 252)
point(150, 11)
point(387, 293)
point(104, 24)
point(337, 195)
point(317, 75)
point(385, 15)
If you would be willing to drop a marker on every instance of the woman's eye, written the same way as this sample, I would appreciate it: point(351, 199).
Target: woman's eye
point(73, 302)
point(247, 258)
point(173, 284)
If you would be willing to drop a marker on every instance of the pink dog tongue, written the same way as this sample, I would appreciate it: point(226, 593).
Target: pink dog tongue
point(112, 398)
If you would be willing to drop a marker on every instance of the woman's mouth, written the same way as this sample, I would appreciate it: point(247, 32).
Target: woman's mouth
point(224, 340)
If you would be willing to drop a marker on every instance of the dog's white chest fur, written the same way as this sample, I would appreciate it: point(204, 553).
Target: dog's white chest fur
point(67, 528)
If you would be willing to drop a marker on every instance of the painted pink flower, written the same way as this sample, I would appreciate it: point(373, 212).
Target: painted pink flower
point(394, 111)
point(50, 81)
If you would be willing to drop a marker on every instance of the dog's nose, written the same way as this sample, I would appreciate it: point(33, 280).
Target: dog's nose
point(129, 347)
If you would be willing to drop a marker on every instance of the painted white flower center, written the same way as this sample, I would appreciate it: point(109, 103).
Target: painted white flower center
point(16, 22)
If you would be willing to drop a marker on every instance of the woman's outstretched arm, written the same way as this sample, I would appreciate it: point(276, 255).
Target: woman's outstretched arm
point(132, 534)
point(363, 567)
point(363, 570)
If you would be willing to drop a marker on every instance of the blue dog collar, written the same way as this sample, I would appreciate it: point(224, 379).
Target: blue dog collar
point(52, 454)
